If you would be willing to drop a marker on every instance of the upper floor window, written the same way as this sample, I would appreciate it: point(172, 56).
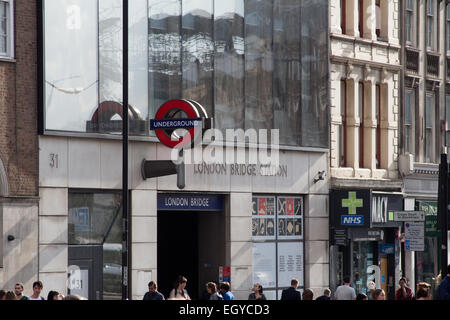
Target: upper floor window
point(378, 18)
point(378, 128)
point(343, 16)
point(361, 124)
point(410, 103)
point(447, 122)
point(448, 29)
point(430, 126)
point(410, 22)
point(343, 125)
point(6, 28)
point(431, 25)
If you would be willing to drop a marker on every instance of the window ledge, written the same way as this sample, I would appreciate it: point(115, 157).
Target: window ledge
point(7, 59)
point(379, 42)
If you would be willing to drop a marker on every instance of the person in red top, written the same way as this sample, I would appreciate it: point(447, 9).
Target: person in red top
point(404, 292)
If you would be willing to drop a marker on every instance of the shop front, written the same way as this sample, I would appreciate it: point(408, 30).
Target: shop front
point(365, 239)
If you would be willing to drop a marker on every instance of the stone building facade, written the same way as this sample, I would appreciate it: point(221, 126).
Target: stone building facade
point(365, 113)
point(18, 145)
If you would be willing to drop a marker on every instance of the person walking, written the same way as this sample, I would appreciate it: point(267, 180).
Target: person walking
point(10, 295)
point(379, 294)
point(225, 291)
point(37, 288)
point(361, 296)
point(153, 293)
point(257, 293)
point(444, 287)
point(291, 293)
point(211, 288)
point(404, 292)
point(423, 294)
point(308, 294)
point(179, 292)
point(18, 290)
point(345, 292)
point(53, 295)
point(326, 295)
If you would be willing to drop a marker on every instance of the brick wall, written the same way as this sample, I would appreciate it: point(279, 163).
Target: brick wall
point(18, 105)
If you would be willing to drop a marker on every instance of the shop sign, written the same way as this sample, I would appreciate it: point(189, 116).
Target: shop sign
point(190, 202)
point(386, 248)
point(383, 207)
point(431, 220)
point(350, 208)
point(431, 226)
point(366, 234)
point(414, 236)
point(339, 237)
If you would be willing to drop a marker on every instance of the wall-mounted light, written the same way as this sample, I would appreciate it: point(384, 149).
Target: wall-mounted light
point(320, 176)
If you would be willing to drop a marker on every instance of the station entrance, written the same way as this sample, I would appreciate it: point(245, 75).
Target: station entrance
point(191, 243)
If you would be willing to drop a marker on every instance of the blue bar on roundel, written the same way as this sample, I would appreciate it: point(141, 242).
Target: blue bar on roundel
point(163, 124)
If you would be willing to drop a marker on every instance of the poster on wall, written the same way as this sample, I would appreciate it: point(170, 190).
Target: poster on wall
point(290, 218)
point(81, 219)
point(263, 218)
point(264, 264)
point(290, 263)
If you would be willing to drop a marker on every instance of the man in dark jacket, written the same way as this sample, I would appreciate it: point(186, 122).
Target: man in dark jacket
point(153, 293)
point(444, 287)
point(291, 293)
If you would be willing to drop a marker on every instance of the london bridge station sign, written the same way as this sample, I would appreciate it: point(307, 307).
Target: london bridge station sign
point(236, 169)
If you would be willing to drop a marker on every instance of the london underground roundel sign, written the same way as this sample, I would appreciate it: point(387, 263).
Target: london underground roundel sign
point(179, 114)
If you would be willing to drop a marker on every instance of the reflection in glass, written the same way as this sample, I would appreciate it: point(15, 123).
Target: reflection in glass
point(287, 70)
point(197, 52)
point(138, 60)
point(229, 112)
point(314, 62)
point(110, 50)
point(164, 52)
point(71, 63)
point(258, 64)
point(255, 64)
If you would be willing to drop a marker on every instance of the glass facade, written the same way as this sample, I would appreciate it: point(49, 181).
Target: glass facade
point(256, 64)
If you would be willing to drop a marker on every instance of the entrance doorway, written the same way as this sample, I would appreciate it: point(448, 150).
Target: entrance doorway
point(191, 244)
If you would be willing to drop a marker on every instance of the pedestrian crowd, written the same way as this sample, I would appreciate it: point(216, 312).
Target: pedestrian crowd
point(17, 294)
point(222, 291)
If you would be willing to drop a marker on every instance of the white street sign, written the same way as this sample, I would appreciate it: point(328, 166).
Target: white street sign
point(409, 215)
point(414, 236)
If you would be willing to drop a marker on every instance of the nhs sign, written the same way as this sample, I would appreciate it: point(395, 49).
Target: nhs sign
point(352, 220)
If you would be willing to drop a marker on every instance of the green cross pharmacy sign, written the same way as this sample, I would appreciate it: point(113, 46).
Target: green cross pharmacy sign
point(352, 203)
point(350, 208)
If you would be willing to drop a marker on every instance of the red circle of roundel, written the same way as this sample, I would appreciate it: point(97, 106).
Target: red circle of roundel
point(171, 105)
